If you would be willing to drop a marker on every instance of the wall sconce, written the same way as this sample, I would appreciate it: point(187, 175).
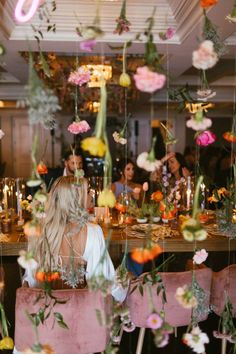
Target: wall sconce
point(98, 72)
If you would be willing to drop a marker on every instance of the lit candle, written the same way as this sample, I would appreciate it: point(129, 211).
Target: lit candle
point(203, 195)
point(188, 192)
point(5, 190)
point(19, 198)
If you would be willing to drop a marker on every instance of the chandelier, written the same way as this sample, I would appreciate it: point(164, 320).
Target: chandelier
point(98, 72)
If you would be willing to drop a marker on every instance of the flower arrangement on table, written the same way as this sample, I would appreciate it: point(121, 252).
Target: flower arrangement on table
point(225, 201)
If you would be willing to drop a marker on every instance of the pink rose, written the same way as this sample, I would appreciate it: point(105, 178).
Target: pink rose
point(78, 127)
point(145, 186)
point(148, 81)
point(205, 138)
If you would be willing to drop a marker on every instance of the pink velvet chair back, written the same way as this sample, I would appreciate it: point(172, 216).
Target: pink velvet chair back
point(223, 281)
point(175, 314)
point(85, 335)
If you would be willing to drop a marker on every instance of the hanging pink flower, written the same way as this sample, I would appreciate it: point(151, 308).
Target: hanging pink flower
point(88, 45)
point(79, 77)
point(205, 138)
point(205, 57)
point(168, 34)
point(78, 127)
point(148, 81)
point(154, 321)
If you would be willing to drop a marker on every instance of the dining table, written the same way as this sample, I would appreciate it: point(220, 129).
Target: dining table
point(126, 236)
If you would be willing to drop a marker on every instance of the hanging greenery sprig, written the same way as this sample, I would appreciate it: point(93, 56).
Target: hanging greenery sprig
point(151, 54)
point(122, 22)
point(42, 103)
point(210, 33)
point(94, 30)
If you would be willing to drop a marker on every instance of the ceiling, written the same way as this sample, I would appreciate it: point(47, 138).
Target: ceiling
point(184, 15)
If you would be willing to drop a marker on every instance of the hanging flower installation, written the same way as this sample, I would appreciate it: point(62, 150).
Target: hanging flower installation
point(90, 33)
point(196, 340)
point(207, 3)
point(147, 80)
point(205, 57)
point(168, 34)
point(200, 256)
point(124, 79)
point(148, 161)
point(232, 16)
point(122, 23)
point(79, 77)
point(199, 122)
point(78, 127)
point(119, 137)
point(42, 103)
point(96, 145)
point(205, 138)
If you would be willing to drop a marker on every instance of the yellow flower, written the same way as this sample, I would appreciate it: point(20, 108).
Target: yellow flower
point(94, 146)
point(124, 80)
point(24, 204)
point(6, 343)
point(107, 198)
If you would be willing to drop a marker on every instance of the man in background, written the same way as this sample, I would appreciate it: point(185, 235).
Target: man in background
point(72, 161)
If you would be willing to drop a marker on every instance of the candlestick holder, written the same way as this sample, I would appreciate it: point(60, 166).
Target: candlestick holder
point(6, 226)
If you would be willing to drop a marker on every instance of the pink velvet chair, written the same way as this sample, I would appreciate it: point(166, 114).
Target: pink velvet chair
point(223, 282)
point(85, 335)
point(175, 314)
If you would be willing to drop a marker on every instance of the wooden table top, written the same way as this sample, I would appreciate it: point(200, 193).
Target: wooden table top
point(176, 243)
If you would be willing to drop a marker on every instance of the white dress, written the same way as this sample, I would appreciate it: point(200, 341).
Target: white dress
point(95, 249)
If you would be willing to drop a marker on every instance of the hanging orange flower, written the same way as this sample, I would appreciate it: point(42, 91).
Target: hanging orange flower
point(143, 255)
point(42, 168)
point(157, 196)
point(207, 3)
point(230, 137)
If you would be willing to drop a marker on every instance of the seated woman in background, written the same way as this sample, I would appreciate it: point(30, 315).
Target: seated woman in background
point(69, 243)
point(178, 167)
point(125, 184)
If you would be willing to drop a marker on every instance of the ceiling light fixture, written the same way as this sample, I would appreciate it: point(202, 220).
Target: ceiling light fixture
point(98, 73)
point(20, 14)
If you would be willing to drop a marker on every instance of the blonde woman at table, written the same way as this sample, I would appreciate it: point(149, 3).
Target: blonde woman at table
point(70, 243)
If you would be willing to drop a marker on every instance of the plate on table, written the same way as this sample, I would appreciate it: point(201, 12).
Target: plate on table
point(145, 227)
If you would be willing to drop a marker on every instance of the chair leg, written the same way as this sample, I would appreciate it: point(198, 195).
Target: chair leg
point(140, 341)
point(223, 346)
point(175, 332)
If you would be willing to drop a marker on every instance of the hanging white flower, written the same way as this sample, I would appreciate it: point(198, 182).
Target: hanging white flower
point(27, 261)
point(199, 124)
point(205, 57)
point(148, 161)
point(196, 340)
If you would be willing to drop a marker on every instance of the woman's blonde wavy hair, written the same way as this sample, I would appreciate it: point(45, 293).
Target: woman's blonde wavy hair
point(67, 203)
